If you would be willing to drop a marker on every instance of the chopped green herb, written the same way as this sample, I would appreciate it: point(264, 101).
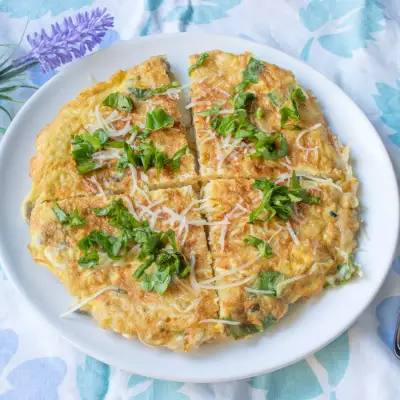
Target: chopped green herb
point(243, 330)
point(144, 94)
point(73, 219)
point(278, 200)
point(158, 250)
point(83, 146)
point(118, 100)
point(293, 111)
point(251, 74)
point(263, 247)
point(200, 61)
point(276, 98)
point(243, 99)
point(158, 119)
point(259, 113)
point(270, 147)
point(210, 112)
point(268, 281)
point(344, 272)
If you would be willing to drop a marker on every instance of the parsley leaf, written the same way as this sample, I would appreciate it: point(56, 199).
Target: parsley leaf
point(149, 156)
point(73, 219)
point(251, 74)
point(243, 99)
point(210, 112)
point(263, 247)
point(144, 94)
point(83, 146)
point(268, 281)
point(118, 100)
point(259, 113)
point(278, 200)
point(344, 272)
point(200, 61)
point(158, 119)
point(158, 250)
point(293, 111)
point(243, 330)
point(238, 125)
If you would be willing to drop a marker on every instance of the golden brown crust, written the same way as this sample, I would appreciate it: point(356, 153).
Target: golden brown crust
point(214, 82)
point(53, 170)
point(170, 320)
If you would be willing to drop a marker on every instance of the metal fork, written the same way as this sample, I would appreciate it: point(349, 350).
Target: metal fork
point(396, 347)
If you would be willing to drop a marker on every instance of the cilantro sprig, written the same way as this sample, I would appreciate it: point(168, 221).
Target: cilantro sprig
point(243, 330)
point(279, 200)
point(159, 251)
point(202, 58)
point(144, 94)
point(72, 219)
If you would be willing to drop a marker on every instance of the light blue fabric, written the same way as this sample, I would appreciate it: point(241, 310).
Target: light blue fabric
point(338, 37)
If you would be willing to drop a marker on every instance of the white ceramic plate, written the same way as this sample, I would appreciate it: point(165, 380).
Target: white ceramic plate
point(308, 327)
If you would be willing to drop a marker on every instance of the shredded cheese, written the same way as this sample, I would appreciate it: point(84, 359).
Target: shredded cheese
point(220, 321)
point(97, 184)
point(327, 181)
point(225, 286)
point(130, 207)
point(292, 234)
point(90, 298)
point(232, 271)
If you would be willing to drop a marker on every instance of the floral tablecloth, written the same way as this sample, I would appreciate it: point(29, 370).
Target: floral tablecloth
point(356, 43)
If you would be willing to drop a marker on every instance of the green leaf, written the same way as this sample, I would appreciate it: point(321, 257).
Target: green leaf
point(60, 214)
point(293, 111)
point(344, 272)
point(278, 200)
point(268, 281)
point(118, 100)
point(210, 112)
point(270, 147)
point(73, 219)
point(243, 99)
point(158, 119)
point(87, 166)
point(200, 61)
point(6, 111)
point(89, 260)
point(263, 247)
point(251, 74)
point(144, 94)
point(276, 98)
point(259, 113)
point(176, 158)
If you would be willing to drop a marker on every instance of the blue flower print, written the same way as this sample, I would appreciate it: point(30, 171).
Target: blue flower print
point(38, 8)
point(300, 381)
point(396, 265)
point(352, 21)
point(387, 312)
point(34, 379)
point(157, 389)
point(93, 379)
point(388, 102)
point(203, 13)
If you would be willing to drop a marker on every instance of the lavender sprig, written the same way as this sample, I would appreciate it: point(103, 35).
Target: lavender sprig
point(67, 41)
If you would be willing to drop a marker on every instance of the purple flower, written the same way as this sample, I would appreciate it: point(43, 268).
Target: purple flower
point(67, 41)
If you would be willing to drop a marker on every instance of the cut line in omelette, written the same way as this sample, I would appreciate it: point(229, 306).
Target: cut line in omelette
point(252, 120)
point(114, 137)
point(263, 263)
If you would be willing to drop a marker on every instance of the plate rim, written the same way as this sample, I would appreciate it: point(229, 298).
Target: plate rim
point(221, 378)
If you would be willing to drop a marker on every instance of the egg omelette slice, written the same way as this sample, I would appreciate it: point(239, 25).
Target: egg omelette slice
point(136, 258)
point(264, 262)
point(115, 137)
point(252, 119)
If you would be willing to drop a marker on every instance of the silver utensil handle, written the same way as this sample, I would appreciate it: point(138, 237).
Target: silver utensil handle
point(396, 347)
